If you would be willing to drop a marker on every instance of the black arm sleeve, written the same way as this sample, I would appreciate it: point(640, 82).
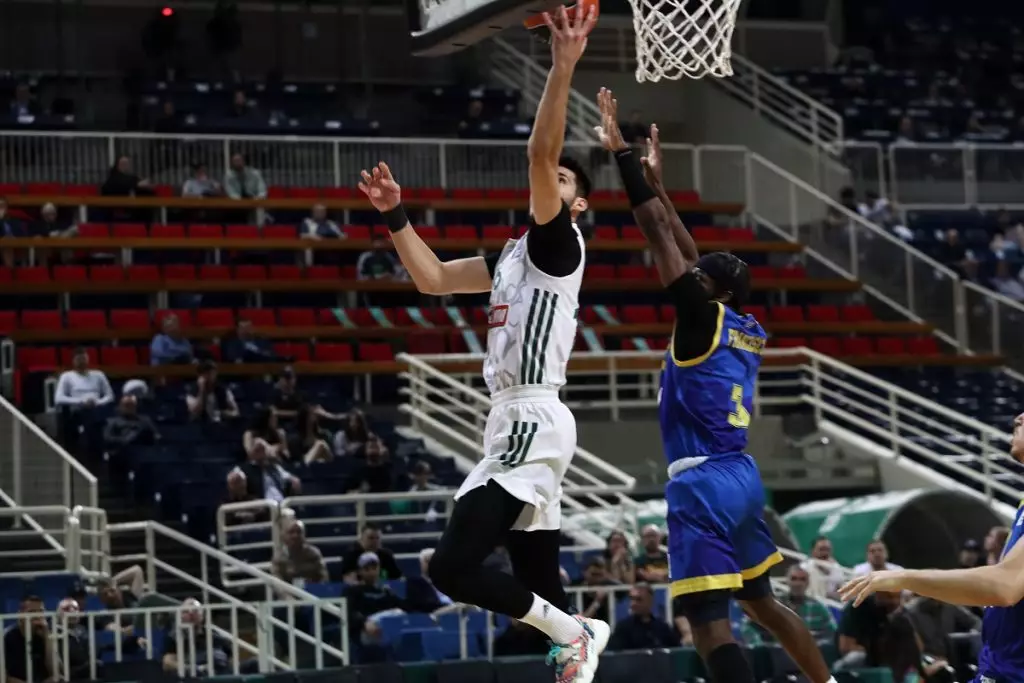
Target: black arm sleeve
point(492, 262)
point(696, 317)
point(554, 247)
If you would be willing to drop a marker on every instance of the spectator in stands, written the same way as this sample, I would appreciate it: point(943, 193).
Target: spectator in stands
point(239, 108)
point(200, 184)
point(618, 558)
point(652, 563)
point(8, 228)
point(814, 612)
point(376, 472)
point(243, 346)
point(49, 224)
point(127, 427)
point(595, 604)
point(933, 621)
point(370, 541)
point(877, 559)
point(69, 626)
point(825, 576)
point(123, 182)
point(878, 633)
point(200, 661)
point(369, 599)
point(264, 433)
point(643, 629)
point(300, 562)
point(420, 593)
point(169, 346)
point(318, 226)
point(238, 492)
point(999, 248)
point(995, 541)
point(520, 640)
point(354, 435)
point(311, 439)
point(954, 254)
point(265, 478)
point(377, 263)
point(1006, 283)
point(287, 398)
point(81, 388)
point(421, 476)
point(28, 648)
point(209, 400)
point(970, 554)
point(906, 132)
point(474, 115)
point(23, 105)
point(243, 181)
point(121, 591)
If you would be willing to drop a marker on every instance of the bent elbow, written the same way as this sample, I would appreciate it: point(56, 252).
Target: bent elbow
point(433, 286)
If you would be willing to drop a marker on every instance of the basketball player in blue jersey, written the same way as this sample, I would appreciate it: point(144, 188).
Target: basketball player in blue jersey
point(998, 587)
point(719, 545)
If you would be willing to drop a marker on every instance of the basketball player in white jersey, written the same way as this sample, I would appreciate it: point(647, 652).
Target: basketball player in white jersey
point(513, 496)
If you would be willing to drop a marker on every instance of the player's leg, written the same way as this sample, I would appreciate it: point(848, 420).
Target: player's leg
point(535, 562)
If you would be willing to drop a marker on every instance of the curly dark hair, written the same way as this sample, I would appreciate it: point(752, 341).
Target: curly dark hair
point(583, 182)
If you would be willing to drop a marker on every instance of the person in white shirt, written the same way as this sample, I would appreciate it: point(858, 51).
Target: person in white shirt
point(825, 576)
point(878, 559)
point(81, 387)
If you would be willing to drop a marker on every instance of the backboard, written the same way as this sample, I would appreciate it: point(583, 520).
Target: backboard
point(440, 27)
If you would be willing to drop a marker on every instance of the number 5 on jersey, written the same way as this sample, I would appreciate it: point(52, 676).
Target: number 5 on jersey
point(739, 416)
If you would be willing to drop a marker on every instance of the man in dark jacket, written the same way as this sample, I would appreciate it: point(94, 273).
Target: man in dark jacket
point(643, 630)
point(127, 427)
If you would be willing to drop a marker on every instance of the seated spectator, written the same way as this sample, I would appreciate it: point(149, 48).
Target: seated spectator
point(520, 640)
point(1004, 282)
point(23, 105)
point(121, 591)
point(243, 181)
point(239, 108)
point(264, 433)
point(243, 346)
point(970, 554)
point(300, 562)
point(370, 541)
point(188, 649)
point(8, 228)
point(878, 633)
point(376, 473)
point(28, 648)
point(595, 604)
point(81, 388)
point(1001, 248)
point(377, 263)
point(169, 346)
point(265, 478)
point(238, 492)
point(954, 254)
point(353, 436)
point(995, 541)
point(200, 184)
point(815, 613)
point(287, 399)
point(318, 226)
point(421, 476)
point(877, 560)
point(420, 593)
point(311, 439)
point(71, 627)
point(127, 427)
point(369, 599)
point(933, 621)
point(618, 558)
point(474, 114)
point(209, 400)
point(50, 225)
point(906, 133)
point(652, 563)
point(122, 181)
point(825, 576)
point(643, 630)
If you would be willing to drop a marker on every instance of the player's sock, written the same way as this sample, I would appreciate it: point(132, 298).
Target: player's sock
point(832, 679)
point(559, 626)
point(727, 664)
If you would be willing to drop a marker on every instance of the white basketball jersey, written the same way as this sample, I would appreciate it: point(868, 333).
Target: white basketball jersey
point(532, 320)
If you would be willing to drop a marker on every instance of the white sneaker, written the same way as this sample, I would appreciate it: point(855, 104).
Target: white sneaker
point(577, 661)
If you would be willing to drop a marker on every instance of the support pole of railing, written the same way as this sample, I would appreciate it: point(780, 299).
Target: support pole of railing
point(463, 644)
point(698, 184)
point(908, 269)
point(442, 163)
point(613, 387)
point(854, 254)
point(16, 455)
point(150, 558)
point(794, 213)
point(748, 181)
point(72, 544)
point(894, 422)
point(986, 467)
point(997, 330)
point(336, 157)
point(816, 389)
point(893, 179)
point(960, 315)
point(970, 175)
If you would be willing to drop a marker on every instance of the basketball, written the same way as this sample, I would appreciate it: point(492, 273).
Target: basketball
point(537, 20)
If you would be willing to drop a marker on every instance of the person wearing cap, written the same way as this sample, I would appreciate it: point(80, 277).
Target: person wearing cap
point(299, 561)
point(369, 599)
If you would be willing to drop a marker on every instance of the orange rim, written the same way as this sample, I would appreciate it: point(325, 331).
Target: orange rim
point(537, 20)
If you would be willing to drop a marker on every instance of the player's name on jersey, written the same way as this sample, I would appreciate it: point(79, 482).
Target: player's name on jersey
point(746, 342)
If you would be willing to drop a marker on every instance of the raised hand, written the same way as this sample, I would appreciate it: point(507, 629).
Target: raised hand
point(859, 588)
point(380, 188)
point(569, 36)
point(608, 132)
point(652, 161)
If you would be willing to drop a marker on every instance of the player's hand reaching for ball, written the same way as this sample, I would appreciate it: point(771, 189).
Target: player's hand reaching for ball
point(380, 188)
point(569, 36)
point(609, 132)
point(860, 587)
point(652, 161)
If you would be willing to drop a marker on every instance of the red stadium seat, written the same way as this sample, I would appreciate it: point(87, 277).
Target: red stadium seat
point(923, 346)
point(760, 313)
point(285, 272)
point(215, 317)
point(118, 356)
point(429, 192)
point(242, 232)
point(858, 346)
point(8, 322)
point(376, 351)
point(332, 353)
point(356, 232)
point(93, 230)
point(428, 232)
point(6, 274)
point(829, 346)
point(497, 232)
point(739, 234)
point(380, 232)
point(165, 191)
point(304, 192)
point(128, 230)
point(600, 271)
point(461, 232)
point(786, 314)
point(823, 314)
point(339, 193)
point(477, 315)
point(658, 343)
point(211, 272)
point(297, 350)
point(87, 320)
point(667, 313)
point(792, 273)
point(10, 189)
point(67, 355)
point(632, 272)
point(606, 232)
point(438, 316)
point(32, 274)
point(173, 231)
point(787, 342)
point(684, 196)
point(129, 319)
point(467, 193)
point(179, 271)
point(762, 272)
point(858, 313)
point(37, 359)
point(185, 318)
point(402, 317)
point(277, 193)
point(348, 273)
point(206, 231)
point(41, 320)
point(323, 273)
point(70, 274)
point(82, 190)
point(891, 346)
point(106, 273)
point(639, 314)
point(260, 317)
point(508, 193)
point(631, 233)
point(250, 272)
point(707, 234)
point(143, 273)
point(48, 189)
point(280, 232)
point(296, 317)
point(426, 343)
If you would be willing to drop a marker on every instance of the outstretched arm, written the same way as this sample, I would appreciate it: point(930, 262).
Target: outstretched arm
point(430, 274)
point(568, 40)
point(653, 174)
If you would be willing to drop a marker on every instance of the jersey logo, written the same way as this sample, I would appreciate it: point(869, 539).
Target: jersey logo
point(497, 315)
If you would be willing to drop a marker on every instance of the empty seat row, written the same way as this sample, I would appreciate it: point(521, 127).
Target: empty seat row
point(862, 346)
point(645, 273)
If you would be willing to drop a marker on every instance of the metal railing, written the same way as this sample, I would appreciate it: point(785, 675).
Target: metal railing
point(53, 539)
point(209, 639)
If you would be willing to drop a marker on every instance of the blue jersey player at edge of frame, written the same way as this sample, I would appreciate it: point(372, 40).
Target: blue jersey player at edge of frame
point(719, 546)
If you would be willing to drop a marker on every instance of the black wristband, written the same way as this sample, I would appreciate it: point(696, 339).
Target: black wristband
point(395, 218)
point(633, 181)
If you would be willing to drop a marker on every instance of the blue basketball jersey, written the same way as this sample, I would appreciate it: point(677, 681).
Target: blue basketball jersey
point(1002, 631)
point(705, 403)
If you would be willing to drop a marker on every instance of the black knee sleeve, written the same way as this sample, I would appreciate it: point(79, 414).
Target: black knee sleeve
point(704, 607)
point(443, 572)
point(728, 664)
point(755, 589)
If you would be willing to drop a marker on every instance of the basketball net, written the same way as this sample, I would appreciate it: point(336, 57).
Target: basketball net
point(677, 38)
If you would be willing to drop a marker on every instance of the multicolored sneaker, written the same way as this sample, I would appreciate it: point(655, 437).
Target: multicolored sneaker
point(577, 661)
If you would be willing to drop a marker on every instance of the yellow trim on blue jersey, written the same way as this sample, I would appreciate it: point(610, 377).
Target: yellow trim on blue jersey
point(700, 584)
point(768, 563)
point(714, 344)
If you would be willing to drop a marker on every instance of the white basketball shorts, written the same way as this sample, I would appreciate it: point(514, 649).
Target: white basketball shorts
point(529, 441)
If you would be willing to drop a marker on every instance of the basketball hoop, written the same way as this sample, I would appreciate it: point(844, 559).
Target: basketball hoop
point(677, 38)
